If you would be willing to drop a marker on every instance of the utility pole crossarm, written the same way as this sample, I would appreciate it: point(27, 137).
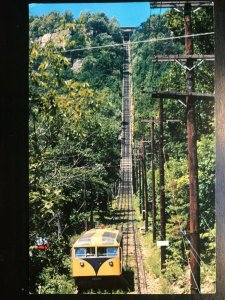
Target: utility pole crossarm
point(181, 57)
point(171, 4)
point(182, 96)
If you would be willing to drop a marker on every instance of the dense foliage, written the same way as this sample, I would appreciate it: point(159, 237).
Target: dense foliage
point(74, 127)
point(49, 23)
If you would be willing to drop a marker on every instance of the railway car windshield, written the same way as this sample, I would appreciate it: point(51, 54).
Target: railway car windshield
point(84, 252)
point(107, 251)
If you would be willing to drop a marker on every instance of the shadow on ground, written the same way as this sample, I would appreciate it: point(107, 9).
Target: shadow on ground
point(108, 285)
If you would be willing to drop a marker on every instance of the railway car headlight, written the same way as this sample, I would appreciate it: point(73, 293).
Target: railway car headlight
point(81, 264)
point(111, 263)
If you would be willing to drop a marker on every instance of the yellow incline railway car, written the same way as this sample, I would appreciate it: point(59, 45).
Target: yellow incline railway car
point(97, 254)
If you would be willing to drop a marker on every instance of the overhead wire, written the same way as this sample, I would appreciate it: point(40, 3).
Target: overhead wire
point(185, 248)
point(206, 223)
point(196, 255)
point(198, 288)
point(153, 40)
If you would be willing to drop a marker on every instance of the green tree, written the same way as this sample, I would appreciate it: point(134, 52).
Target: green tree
point(73, 130)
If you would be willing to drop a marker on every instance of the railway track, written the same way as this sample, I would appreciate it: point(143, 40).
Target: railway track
point(125, 217)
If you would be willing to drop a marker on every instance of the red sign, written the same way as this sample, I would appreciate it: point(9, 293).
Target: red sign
point(42, 247)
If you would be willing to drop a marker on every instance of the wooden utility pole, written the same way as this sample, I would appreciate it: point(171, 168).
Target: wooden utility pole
point(153, 181)
point(219, 14)
point(134, 170)
point(162, 186)
point(192, 159)
point(140, 181)
point(188, 99)
point(144, 178)
point(152, 142)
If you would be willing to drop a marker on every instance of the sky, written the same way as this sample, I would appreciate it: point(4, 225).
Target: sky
point(127, 13)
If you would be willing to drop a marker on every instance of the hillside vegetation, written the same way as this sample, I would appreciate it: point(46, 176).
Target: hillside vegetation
point(74, 128)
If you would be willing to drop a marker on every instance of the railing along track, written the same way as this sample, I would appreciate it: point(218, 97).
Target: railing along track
point(132, 255)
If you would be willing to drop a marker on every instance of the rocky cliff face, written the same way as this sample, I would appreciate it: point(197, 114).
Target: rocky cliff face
point(77, 64)
point(60, 38)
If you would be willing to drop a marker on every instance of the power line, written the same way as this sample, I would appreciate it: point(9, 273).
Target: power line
point(153, 40)
point(196, 253)
point(206, 223)
point(185, 249)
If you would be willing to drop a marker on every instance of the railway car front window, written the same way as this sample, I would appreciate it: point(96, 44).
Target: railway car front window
point(112, 251)
point(84, 252)
point(101, 251)
point(90, 251)
point(80, 252)
point(107, 251)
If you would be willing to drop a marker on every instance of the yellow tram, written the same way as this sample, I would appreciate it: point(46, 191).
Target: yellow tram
point(97, 254)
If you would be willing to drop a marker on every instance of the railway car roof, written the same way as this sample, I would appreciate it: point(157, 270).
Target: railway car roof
point(100, 237)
